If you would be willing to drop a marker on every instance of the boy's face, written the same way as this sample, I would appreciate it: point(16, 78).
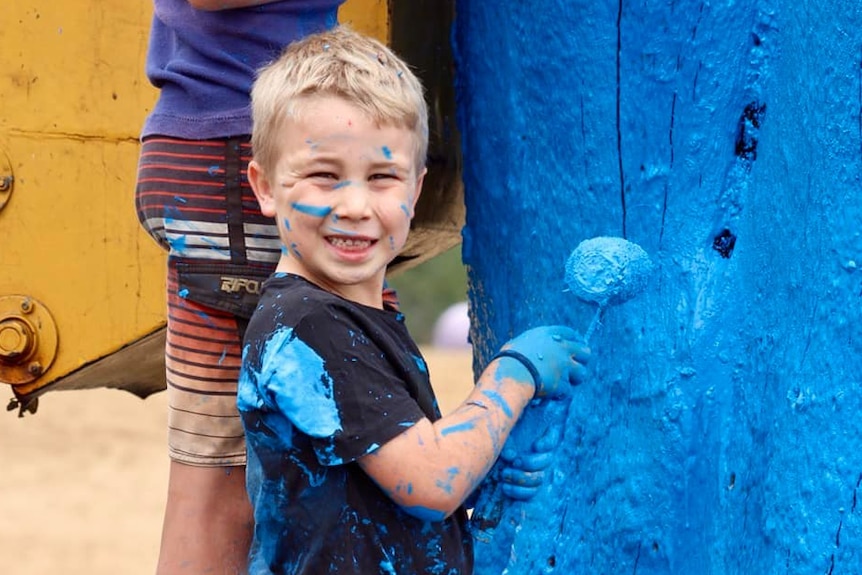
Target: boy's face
point(342, 191)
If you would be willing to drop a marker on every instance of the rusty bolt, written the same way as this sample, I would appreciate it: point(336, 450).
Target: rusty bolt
point(27, 305)
point(6, 183)
point(16, 340)
point(35, 368)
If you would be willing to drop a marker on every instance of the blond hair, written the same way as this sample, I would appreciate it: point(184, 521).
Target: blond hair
point(344, 63)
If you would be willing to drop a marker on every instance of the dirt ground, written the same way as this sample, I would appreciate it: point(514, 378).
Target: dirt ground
point(83, 481)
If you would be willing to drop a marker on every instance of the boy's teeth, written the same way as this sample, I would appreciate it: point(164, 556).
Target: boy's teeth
point(349, 243)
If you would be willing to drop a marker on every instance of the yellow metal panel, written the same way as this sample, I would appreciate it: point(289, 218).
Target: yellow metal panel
point(73, 96)
point(71, 106)
point(368, 16)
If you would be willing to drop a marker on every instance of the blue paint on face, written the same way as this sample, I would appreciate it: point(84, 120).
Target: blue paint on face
point(335, 218)
point(387, 153)
point(284, 250)
point(406, 211)
point(392, 243)
point(317, 211)
point(295, 251)
point(341, 184)
point(339, 231)
point(286, 223)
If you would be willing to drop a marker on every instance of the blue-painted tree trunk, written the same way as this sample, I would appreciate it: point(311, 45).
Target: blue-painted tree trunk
point(721, 431)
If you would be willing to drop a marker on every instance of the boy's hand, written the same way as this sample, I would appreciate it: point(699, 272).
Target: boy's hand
point(555, 356)
point(524, 473)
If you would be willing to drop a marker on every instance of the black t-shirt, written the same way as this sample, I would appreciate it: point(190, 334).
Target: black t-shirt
point(324, 382)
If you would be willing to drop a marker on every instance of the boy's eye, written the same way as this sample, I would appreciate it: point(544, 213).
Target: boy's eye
point(323, 176)
point(382, 176)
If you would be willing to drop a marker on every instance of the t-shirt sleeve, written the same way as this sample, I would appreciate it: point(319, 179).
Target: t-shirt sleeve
point(343, 385)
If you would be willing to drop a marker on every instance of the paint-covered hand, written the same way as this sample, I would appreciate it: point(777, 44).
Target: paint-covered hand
point(555, 356)
point(524, 473)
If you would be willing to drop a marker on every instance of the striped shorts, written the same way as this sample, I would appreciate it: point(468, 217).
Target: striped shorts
point(194, 199)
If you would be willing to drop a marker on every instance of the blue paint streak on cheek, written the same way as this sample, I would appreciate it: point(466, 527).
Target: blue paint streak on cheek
point(316, 211)
point(286, 224)
point(295, 251)
point(392, 243)
point(341, 184)
point(406, 211)
point(335, 218)
point(499, 400)
point(387, 153)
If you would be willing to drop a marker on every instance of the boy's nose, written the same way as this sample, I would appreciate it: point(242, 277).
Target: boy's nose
point(353, 202)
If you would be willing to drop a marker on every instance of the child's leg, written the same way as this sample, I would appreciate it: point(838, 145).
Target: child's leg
point(194, 200)
point(208, 519)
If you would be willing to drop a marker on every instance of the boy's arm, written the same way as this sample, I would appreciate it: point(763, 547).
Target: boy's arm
point(431, 468)
point(215, 5)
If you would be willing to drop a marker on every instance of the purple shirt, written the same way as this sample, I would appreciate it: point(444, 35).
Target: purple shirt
point(204, 63)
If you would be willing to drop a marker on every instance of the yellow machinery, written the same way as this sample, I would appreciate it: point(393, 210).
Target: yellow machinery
point(81, 285)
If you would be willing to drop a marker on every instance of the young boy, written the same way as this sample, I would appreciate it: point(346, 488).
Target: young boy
point(351, 469)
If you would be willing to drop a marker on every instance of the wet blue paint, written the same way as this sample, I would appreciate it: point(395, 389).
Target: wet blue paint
point(500, 401)
point(465, 426)
point(296, 380)
point(425, 514)
point(387, 153)
point(286, 223)
point(316, 211)
point(420, 362)
point(183, 293)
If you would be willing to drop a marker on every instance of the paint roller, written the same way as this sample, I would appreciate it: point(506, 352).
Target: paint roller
point(607, 271)
point(604, 271)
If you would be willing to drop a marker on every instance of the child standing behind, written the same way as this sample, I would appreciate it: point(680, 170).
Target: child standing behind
point(351, 469)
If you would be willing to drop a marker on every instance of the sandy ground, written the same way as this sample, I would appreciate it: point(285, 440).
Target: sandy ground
point(83, 481)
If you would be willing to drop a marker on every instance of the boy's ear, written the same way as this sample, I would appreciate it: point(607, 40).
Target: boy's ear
point(262, 188)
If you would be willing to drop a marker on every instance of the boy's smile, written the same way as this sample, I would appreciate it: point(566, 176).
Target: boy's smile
point(342, 190)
